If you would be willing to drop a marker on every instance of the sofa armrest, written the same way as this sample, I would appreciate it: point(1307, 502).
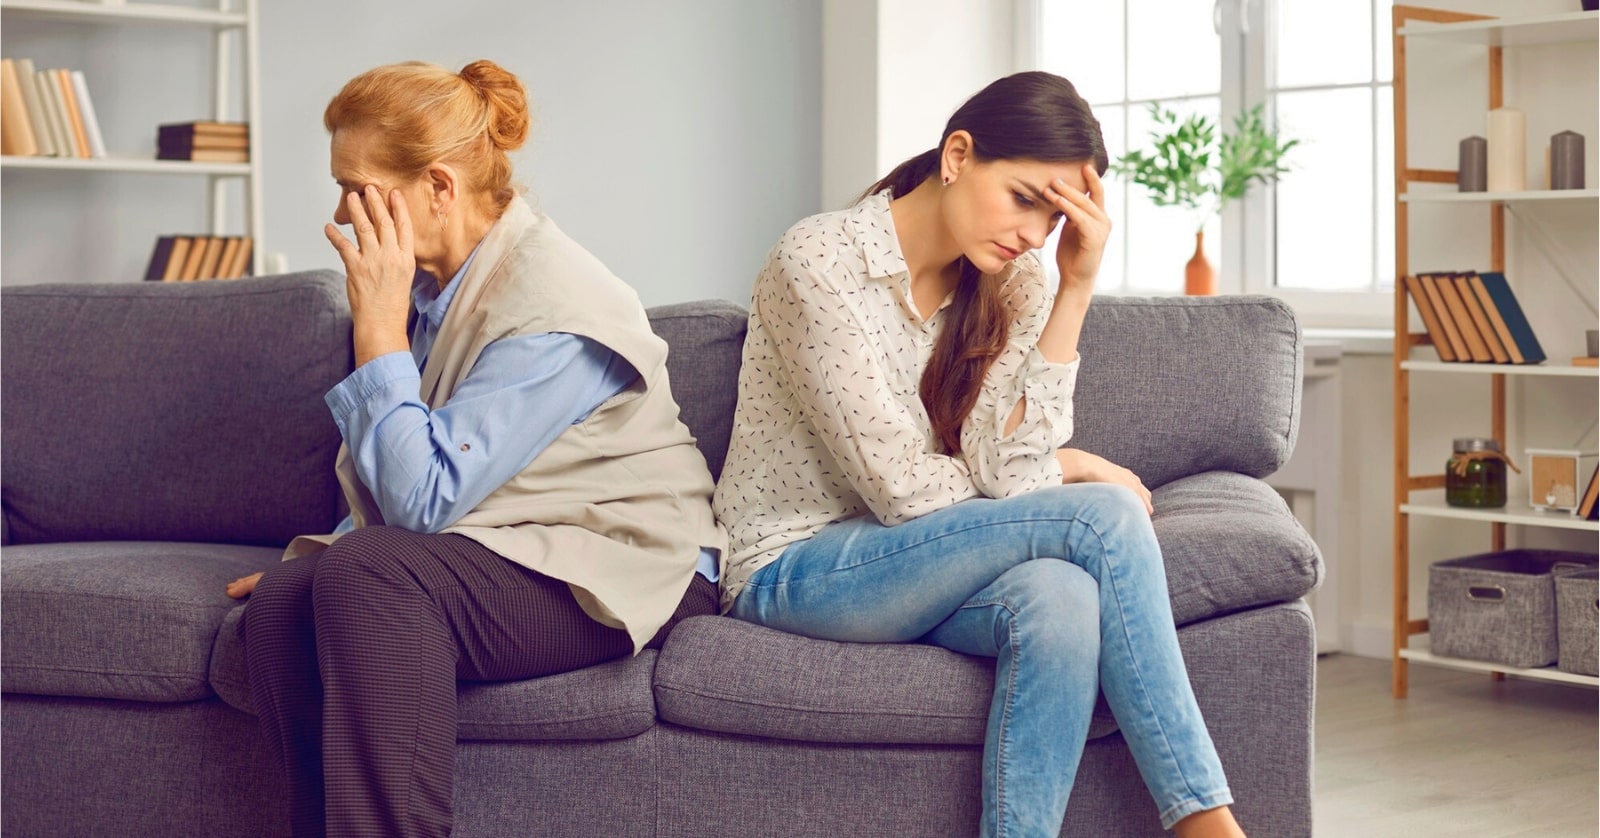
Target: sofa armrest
point(1175, 386)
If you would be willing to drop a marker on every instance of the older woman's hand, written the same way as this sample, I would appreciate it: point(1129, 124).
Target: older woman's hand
point(379, 267)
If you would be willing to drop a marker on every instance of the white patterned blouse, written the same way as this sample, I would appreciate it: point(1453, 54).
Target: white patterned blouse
point(830, 424)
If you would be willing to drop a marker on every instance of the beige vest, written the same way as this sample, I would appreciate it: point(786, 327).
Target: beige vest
point(619, 505)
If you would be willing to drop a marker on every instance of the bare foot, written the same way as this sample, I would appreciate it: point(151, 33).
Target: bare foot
point(1212, 823)
point(241, 588)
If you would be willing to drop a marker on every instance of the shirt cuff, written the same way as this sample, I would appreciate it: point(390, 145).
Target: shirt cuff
point(370, 379)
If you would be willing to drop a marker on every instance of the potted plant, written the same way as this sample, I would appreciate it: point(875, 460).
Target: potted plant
point(1191, 167)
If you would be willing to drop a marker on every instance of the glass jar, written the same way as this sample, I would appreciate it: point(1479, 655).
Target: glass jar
point(1475, 475)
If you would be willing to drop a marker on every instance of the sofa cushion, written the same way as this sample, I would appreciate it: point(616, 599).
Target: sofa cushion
point(171, 411)
point(1230, 543)
point(730, 676)
point(706, 343)
point(1219, 391)
point(125, 620)
point(609, 701)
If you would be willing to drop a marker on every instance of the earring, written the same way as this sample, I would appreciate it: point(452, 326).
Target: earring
point(947, 181)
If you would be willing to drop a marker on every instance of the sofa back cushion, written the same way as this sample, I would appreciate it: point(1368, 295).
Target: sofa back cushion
point(171, 411)
point(1174, 386)
point(1169, 387)
point(705, 342)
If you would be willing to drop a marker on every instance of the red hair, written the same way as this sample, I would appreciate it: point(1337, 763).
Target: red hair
point(428, 114)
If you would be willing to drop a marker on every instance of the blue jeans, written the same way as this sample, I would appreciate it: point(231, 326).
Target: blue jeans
point(1066, 589)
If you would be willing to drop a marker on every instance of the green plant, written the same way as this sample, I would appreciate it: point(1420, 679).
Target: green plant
point(1191, 167)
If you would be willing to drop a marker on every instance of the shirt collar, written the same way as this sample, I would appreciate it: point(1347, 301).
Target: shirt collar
point(432, 303)
point(874, 227)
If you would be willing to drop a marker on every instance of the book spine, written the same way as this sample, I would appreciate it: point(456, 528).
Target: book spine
point(1458, 346)
point(1430, 320)
point(158, 259)
point(1476, 348)
point(91, 125)
point(40, 119)
point(175, 261)
point(16, 130)
point(50, 95)
point(1480, 320)
point(80, 140)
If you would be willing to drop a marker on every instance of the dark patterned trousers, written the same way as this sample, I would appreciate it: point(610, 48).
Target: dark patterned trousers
point(354, 655)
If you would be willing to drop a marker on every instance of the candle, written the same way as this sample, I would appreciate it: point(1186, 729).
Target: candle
point(1566, 160)
point(1508, 150)
point(1471, 169)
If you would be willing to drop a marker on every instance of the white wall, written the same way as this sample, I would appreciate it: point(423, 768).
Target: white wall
point(894, 71)
point(676, 141)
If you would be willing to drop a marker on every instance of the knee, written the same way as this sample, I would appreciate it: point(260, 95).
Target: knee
point(281, 601)
point(1055, 605)
point(354, 564)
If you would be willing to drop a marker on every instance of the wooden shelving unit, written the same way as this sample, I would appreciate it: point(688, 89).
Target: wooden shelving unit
point(233, 23)
point(1421, 495)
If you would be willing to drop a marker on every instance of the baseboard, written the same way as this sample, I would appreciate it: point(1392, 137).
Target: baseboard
point(1369, 639)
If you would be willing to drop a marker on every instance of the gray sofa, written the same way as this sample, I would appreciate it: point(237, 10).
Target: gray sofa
point(160, 440)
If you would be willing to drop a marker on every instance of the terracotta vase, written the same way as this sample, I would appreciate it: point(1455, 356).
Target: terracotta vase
point(1199, 276)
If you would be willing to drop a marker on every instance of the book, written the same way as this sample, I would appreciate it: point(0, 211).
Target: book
point(178, 148)
point(191, 263)
point(1458, 346)
point(181, 245)
point(80, 140)
point(55, 113)
point(230, 252)
point(158, 258)
point(1506, 315)
point(214, 155)
point(1477, 350)
point(1430, 320)
point(1586, 507)
point(206, 127)
point(241, 260)
point(38, 117)
point(91, 125)
point(209, 258)
point(1480, 320)
point(16, 129)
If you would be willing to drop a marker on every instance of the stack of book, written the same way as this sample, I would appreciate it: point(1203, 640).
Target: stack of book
point(186, 258)
point(46, 113)
point(1474, 318)
point(211, 142)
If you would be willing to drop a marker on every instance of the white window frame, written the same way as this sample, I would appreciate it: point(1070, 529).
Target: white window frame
point(1246, 250)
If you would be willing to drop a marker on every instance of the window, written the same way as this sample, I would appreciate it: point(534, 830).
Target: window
point(1322, 237)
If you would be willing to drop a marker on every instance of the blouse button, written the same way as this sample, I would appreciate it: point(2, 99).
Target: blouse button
point(466, 447)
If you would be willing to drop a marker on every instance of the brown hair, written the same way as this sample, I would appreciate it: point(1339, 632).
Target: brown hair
point(1032, 116)
point(426, 114)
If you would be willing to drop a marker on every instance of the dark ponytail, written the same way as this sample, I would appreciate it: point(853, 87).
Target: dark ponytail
point(1032, 116)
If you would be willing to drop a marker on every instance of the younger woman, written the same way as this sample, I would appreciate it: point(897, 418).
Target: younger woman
point(896, 472)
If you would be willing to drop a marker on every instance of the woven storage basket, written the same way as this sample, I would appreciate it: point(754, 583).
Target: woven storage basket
point(1578, 622)
point(1498, 607)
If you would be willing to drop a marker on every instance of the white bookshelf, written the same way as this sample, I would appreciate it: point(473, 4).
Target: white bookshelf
point(1421, 654)
point(233, 24)
point(1564, 28)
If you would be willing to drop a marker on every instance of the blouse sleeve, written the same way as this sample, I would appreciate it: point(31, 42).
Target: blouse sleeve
point(1003, 465)
point(845, 393)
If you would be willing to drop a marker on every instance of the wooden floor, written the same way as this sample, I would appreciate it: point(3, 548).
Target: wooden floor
point(1462, 756)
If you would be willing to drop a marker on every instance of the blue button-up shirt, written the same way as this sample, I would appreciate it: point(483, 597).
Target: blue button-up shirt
point(427, 468)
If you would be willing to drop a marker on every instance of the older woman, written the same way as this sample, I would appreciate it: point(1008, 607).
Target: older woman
point(524, 500)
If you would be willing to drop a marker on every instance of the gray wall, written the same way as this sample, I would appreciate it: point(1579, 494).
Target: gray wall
point(675, 140)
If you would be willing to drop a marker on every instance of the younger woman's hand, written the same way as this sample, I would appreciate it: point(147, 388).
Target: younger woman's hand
point(1084, 231)
point(379, 267)
point(241, 588)
point(1082, 467)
